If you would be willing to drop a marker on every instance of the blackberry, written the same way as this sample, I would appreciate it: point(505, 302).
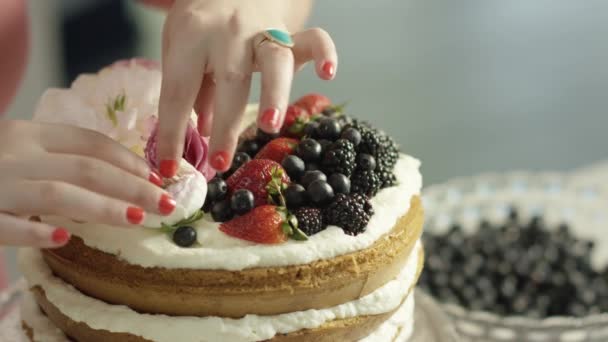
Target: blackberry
point(349, 212)
point(365, 182)
point(359, 125)
point(379, 145)
point(310, 220)
point(387, 178)
point(339, 158)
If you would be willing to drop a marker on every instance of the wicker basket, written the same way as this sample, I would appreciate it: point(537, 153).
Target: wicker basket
point(557, 198)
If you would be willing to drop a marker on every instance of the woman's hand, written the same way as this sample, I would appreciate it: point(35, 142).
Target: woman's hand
point(60, 170)
point(210, 50)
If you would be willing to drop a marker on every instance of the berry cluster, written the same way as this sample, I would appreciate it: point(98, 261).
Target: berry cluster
point(515, 269)
point(321, 169)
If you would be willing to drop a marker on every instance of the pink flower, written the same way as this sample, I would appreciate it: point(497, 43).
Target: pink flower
point(195, 151)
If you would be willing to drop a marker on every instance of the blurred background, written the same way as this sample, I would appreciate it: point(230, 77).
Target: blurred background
point(466, 86)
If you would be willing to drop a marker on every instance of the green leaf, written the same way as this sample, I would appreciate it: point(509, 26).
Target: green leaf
point(166, 228)
point(298, 235)
point(287, 230)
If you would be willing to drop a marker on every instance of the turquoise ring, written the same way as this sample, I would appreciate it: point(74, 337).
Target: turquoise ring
point(277, 36)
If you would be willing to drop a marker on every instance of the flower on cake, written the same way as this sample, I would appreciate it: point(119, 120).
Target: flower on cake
point(195, 153)
point(120, 101)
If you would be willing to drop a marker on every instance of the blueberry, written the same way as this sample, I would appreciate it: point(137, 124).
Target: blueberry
point(312, 167)
point(328, 129)
point(340, 183)
point(221, 211)
point(263, 137)
point(309, 150)
point(324, 144)
point(251, 147)
point(295, 196)
point(352, 135)
point(241, 201)
point(216, 189)
point(294, 166)
point(310, 129)
point(240, 158)
point(311, 176)
point(184, 236)
point(320, 192)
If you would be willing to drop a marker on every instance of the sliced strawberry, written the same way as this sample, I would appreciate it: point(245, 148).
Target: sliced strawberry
point(313, 103)
point(255, 176)
point(277, 149)
point(263, 224)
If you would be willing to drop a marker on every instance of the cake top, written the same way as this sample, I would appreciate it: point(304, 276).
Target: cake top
point(323, 171)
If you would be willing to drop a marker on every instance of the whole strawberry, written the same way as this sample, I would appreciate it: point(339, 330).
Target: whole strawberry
point(313, 103)
point(255, 176)
point(263, 224)
point(277, 149)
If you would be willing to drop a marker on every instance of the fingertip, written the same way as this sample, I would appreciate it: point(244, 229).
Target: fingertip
point(326, 70)
point(270, 120)
point(168, 168)
point(220, 160)
point(60, 236)
point(135, 215)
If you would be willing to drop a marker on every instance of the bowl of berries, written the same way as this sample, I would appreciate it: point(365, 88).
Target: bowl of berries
point(518, 257)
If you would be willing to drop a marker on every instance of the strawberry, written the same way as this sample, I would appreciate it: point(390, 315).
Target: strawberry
point(255, 176)
point(313, 103)
point(263, 224)
point(277, 149)
point(294, 113)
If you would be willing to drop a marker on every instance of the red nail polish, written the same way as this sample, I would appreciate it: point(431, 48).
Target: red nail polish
point(220, 160)
point(155, 179)
point(166, 205)
point(168, 168)
point(328, 69)
point(270, 118)
point(60, 236)
point(135, 215)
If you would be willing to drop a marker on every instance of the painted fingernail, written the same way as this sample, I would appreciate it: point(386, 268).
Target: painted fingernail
point(166, 205)
point(135, 215)
point(328, 69)
point(270, 118)
point(220, 160)
point(168, 168)
point(60, 236)
point(155, 179)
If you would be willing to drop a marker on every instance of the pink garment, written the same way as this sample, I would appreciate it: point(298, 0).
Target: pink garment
point(14, 41)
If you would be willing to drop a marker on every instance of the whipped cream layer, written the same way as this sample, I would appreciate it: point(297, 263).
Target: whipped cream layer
point(216, 250)
point(162, 328)
point(398, 327)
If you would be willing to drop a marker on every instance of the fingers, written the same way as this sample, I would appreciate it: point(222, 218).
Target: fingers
point(15, 231)
point(204, 105)
point(73, 140)
point(276, 65)
point(92, 174)
point(233, 80)
point(183, 68)
point(316, 44)
point(67, 200)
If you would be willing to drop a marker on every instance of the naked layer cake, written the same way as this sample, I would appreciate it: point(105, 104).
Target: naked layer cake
point(312, 235)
